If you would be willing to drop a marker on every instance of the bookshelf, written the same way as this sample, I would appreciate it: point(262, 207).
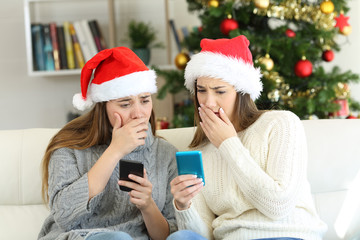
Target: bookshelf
point(45, 11)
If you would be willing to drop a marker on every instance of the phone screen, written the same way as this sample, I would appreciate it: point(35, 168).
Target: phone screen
point(130, 167)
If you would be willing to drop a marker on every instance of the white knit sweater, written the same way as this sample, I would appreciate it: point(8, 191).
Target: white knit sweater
point(256, 185)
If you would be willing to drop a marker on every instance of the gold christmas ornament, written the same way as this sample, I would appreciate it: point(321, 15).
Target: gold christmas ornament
point(327, 7)
point(213, 3)
point(181, 60)
point(267, 61)
point(342, 91)
point(263, 4)
point(295, 9)
point(346, 30)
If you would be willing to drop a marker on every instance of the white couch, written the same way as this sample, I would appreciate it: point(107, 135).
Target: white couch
point(333, 171)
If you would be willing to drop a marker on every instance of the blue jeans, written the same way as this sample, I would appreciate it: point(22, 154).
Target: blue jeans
point(279, 238)
point(185, 234)
point(110, 236)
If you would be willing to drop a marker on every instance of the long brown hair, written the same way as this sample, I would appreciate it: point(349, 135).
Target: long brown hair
point(90, 129)
point(245, 110)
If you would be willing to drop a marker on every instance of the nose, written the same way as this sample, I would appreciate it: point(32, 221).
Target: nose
point(136, 112)
point(210, 101)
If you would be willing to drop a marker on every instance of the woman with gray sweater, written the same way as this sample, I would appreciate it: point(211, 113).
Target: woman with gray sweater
point(81, 164)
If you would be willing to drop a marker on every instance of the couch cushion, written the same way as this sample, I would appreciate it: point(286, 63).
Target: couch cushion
point(20, 174)
point(333, 155)
point(179, 137)
point(22, 222)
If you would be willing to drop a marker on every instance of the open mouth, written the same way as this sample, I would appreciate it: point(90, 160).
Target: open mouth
point(217, 114)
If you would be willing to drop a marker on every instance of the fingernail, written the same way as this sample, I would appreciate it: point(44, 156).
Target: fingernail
point(221, 110)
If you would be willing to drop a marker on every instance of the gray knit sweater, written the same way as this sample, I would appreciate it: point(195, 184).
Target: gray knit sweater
point(72, 216)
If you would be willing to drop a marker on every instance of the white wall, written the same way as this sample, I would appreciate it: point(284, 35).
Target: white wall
point(27, 102)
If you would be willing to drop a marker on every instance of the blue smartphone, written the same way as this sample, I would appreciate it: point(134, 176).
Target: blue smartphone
point(190, 162)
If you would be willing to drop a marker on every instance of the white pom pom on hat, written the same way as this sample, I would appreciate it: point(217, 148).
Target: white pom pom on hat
point(119, 72)
point(229, 60)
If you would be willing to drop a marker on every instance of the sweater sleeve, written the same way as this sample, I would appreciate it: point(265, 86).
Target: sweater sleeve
point(273, 189)
point(197, 218)
point(168, 211)
point(68, 190)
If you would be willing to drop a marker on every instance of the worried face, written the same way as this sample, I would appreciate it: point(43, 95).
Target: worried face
point(215, 94)
point(130, 108)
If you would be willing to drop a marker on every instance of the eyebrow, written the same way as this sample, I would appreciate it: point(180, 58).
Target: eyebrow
point(214, 88)
point(129, 99)
point(124, 100)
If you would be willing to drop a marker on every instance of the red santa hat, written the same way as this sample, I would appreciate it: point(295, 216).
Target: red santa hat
point(118, 73)
point(229, 60)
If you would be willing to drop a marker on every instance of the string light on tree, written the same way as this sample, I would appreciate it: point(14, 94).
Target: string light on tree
point(303, 68)
point(327, 7)
point(262, 4)
point(228, 25)
point(213, 3)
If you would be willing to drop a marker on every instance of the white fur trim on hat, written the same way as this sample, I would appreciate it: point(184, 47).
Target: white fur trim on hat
point(243, 76)
point(80, 103)
point(127, 85)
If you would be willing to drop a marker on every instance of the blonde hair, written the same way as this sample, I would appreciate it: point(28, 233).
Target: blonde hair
point(246, 114)
point(88, 130)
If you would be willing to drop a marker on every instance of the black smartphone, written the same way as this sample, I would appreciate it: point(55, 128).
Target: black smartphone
point(130, 167)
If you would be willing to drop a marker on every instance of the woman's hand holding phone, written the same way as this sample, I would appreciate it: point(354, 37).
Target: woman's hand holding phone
point(140, 195)
point(184, 188)
point(130, 135)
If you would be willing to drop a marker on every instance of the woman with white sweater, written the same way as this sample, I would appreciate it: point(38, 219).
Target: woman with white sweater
point(254, 161)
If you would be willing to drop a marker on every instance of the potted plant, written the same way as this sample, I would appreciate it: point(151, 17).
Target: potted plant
point(142, 37)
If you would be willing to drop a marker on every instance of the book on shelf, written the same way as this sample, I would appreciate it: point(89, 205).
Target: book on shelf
point(185, 31)
point(85, 48)
point(37, 40)
point(48, 49)
point(62, 48)
point(89, 37)
point(80, 61)
point(69, 46)
point(55, 45)
point(98, 37)
point(175, 33)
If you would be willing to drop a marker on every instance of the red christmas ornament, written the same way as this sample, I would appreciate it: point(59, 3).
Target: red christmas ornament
point(341, 21)
point(328, 55)
point(351, 117)
point(228, 25)
point(303, 68)
point(290, 33)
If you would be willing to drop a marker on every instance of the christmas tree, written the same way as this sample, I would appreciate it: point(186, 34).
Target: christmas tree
point(290, 41)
